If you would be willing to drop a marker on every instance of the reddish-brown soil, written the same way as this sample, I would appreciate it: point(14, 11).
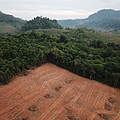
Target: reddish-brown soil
point(52, 93)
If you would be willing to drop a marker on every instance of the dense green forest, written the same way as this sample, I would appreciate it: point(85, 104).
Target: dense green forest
point(84, 52)
point(40, 23)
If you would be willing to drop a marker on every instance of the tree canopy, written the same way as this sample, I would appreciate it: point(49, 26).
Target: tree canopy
point(84, 52)
point(40, 23)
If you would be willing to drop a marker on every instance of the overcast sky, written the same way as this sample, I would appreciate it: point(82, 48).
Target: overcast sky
point(56, 9)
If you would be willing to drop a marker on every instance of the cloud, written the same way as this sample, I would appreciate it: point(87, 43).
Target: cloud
point(59, 9)
point(105, 1)
point(53, 14)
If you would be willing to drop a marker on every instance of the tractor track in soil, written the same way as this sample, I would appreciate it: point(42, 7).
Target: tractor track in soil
point(53, 93)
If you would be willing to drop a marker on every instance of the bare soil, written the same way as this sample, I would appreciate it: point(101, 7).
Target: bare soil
point(52, 93)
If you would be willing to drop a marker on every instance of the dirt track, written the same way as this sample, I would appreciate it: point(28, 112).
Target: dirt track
point(52, 93)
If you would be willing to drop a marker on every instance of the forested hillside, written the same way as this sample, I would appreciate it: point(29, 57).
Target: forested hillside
point(40, 23)
point(106, 20)
point(71, 23)
point(9, 23)
point(84, 52)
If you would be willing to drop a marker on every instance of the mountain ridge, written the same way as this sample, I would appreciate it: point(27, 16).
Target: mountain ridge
point(9, 23)
point(103, 20)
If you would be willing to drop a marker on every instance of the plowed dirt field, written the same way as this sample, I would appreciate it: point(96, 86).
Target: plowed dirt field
point(52, 93)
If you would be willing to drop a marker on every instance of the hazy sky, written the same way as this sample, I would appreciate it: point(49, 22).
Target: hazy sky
point(58, 9)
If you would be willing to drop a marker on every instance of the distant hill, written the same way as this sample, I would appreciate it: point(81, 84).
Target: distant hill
point(9, 23)
point(103, 20)
point(70, 22)
point(40, 23)
point(106, 20)
point(105, 14)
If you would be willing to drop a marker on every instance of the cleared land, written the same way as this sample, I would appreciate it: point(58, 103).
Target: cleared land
point(52, 93)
